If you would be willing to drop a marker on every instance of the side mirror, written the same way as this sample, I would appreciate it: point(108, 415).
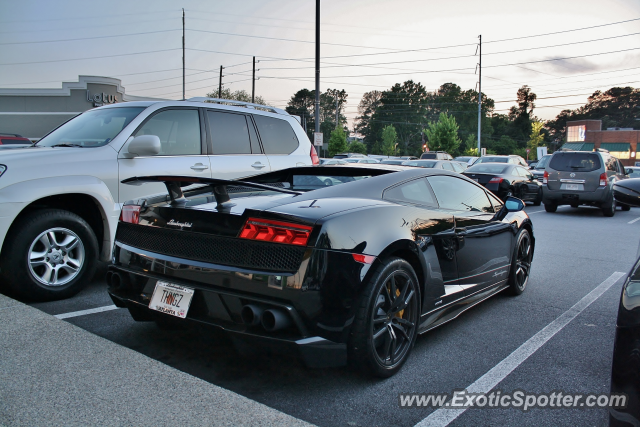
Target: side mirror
point(144, 145)
point(513, 204)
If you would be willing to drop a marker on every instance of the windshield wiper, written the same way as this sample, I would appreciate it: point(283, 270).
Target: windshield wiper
point(68, 145)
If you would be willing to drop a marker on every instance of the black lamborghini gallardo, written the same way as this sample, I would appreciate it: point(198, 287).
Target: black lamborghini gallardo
point(338, 264)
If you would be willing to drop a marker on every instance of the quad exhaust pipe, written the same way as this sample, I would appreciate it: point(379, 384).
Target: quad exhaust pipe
point(271, 319)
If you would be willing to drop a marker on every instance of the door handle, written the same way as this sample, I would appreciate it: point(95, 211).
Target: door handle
point(199, 167)
point(257, 165)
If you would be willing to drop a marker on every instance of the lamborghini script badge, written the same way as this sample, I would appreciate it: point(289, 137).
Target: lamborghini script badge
point(180, 224)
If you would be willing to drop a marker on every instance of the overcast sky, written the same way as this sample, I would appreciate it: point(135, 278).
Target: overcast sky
point(43, 43)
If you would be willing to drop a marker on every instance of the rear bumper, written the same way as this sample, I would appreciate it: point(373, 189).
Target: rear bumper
point(567, 197)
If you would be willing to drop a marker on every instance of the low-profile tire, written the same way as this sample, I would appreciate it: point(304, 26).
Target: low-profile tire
point(386, 322)
point(625, 208)
point(550, 207)
point(609, 208)
point(520, 263)
point(49, 254)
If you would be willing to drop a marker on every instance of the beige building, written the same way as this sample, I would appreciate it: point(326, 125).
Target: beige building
point(32, 113)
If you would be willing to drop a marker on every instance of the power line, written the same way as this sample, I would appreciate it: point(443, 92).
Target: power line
point(89, 38)
point(30, 31)
point(91, 57)
point(84, 18)
point(564, 31)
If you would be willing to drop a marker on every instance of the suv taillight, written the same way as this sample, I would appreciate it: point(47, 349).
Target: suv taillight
point(603, 179)
point(496, 180)
point(275, 231)
point(130, 214)
point(314, 156)
point(545, 177)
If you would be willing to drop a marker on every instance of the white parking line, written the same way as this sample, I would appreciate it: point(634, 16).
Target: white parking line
point(634, 220)
point(83, 312)
point(443, 416)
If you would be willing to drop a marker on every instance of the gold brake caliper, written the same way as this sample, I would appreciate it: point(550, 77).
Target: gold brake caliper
point(401, 312)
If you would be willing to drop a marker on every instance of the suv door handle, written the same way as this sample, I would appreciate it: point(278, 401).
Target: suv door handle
point(199, 167)
point(257, 165)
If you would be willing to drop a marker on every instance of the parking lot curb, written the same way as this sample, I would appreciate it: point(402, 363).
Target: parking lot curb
point(53, 373)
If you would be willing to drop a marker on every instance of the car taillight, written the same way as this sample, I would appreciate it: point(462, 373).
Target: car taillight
point(496, 180)
point(545, 177)
point(364, 259)
point(314, 156)
point(130, 214)
point(275, 231)
point(603, 179)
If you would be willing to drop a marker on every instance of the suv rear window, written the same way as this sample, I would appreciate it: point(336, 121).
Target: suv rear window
point(6, 141)
point(277, 135)
point(581, 162)
point(429, 156)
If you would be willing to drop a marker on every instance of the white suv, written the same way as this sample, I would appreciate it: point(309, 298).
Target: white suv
point(60, 199)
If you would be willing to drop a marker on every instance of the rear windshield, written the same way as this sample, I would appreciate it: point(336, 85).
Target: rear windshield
point(421, 164)
point(581, 162)
point(392, 162)
point(312, 182)
point(487, 168)
point(493, 160)
point(429, 156)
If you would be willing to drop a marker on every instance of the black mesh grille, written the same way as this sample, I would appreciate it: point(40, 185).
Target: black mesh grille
point(213, 249)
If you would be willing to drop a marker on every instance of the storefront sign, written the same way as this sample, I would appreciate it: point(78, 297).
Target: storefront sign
point(101, 98)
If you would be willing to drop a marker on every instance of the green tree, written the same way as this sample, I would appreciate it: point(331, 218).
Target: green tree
point(389, 140)
point(337, 142)
point(535, 139)
point(238, 95)
point(505, 145)
point(357, 147)
point(302, 104)
point(443, 134)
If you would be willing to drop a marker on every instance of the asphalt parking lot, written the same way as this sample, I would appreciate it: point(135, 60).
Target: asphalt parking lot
point(577, 250)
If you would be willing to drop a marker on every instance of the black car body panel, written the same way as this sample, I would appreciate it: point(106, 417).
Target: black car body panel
point(460, 257)
point(513, 179)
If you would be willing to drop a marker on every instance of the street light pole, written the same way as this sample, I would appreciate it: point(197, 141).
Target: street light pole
point(220, 83)
point(479, 94)
point(183, 97)
point(253, 82)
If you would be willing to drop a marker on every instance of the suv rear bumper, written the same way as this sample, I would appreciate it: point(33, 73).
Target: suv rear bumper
point(567, 197)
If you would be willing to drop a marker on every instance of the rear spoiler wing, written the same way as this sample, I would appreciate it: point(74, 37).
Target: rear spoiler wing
point(174, 186)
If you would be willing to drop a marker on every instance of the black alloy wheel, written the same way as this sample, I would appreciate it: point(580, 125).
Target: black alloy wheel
point(521, 263)
point(387, 320)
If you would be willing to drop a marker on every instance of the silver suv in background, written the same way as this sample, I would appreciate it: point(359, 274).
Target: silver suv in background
point(582, 178)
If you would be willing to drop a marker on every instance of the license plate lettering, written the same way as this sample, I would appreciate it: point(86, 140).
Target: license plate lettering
point(171, 299)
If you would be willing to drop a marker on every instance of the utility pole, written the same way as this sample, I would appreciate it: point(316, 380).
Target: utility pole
point(337, 113)
point(317, 103)
point(479, 92)
point(220, 83)
point(253, 82)
point(183, 98)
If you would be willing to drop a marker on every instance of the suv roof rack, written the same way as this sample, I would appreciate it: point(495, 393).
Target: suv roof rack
point(238, 104)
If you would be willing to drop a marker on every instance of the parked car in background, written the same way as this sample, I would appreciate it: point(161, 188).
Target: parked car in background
point(437, 164)
point(392, 161)
point(538, 169)
point(408, 157)
point(348, 155)
point(13, 139)
point(632, 171)
point(466, 159)
point(301, 264)
point(582, 178)
point(333, 162)
point(436, 155)
point(512, 158)
point(361, 160)
point(505, 180)
point(61, 199)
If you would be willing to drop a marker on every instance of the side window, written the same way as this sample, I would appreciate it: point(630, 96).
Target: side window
point(497, 203)
point(277, 135)
point(457, 167)
point(522, 172)
point(229, 133)
point(416, 191)
point(458, 194)
point(178, 130)
point(620, 167)
point(447, 166)
point(610, 164)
